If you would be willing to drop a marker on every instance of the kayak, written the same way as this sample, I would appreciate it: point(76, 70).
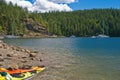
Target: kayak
point(2, 77)
point(20, 70)
point(20, 76)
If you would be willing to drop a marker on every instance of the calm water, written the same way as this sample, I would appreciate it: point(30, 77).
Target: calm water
point(95, 59)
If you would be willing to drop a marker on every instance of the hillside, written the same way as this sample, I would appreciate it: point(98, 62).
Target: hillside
point(18, 21)
point(82, 23)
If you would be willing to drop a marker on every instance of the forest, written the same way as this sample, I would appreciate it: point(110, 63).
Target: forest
point(81, 23)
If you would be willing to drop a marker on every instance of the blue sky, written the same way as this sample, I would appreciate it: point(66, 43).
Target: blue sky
point(64, 5)
point(89, 4)
point(32, 1)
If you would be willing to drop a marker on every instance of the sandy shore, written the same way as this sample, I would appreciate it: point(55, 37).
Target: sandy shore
point(14, 56)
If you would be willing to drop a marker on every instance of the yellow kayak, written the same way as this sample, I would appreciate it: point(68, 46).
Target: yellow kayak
point(20, 70)
point(20, 76)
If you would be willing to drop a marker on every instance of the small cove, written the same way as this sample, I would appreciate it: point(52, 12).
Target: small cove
point(76, 58)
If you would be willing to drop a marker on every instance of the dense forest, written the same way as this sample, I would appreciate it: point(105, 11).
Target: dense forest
point(79, 23)
point(84, 22)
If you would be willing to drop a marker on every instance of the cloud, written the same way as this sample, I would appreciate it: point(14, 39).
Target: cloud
point(62, 1)
point(21, 3)
point(44, 5)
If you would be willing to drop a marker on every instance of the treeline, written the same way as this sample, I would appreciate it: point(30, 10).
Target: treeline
point(84, 22)
point(13, 19)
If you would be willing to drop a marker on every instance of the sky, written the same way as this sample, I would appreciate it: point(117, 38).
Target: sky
point(90, 4)
point(65, 5)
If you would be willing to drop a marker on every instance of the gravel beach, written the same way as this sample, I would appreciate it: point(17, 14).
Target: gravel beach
point(14, 56)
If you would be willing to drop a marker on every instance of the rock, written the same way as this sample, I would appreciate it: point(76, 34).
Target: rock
point(1, 59)
point(28, 51)
point(26, 66)
point(41, 66)
point(32, 58)
point(8, 58)
point(4, 46)
point(13, 48)
point(24, 57)
point(0, 54)
point(1, 41)
point(35, 51)
point(1, 65)
point(32, 55)
point(18, 49)
point(23, 50)
point(41, 60)
point(14, 66)
point(23, 61)
point(19, 57)
point(42, 53)
point(9, 55)
point(1, 45)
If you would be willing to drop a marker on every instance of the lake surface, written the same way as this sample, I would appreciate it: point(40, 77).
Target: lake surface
point(94, 58)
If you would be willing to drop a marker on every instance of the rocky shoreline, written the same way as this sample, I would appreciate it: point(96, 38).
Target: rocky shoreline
point(17, 57)
point(14, 56)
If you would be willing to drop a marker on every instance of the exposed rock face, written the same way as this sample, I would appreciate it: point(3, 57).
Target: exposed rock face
point(35, 29)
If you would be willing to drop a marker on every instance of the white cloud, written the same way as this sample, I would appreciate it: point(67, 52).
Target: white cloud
point(44, 5)
point(62, 1)
point(24, 4)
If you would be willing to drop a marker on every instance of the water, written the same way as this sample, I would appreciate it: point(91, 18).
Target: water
point(92, 59)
